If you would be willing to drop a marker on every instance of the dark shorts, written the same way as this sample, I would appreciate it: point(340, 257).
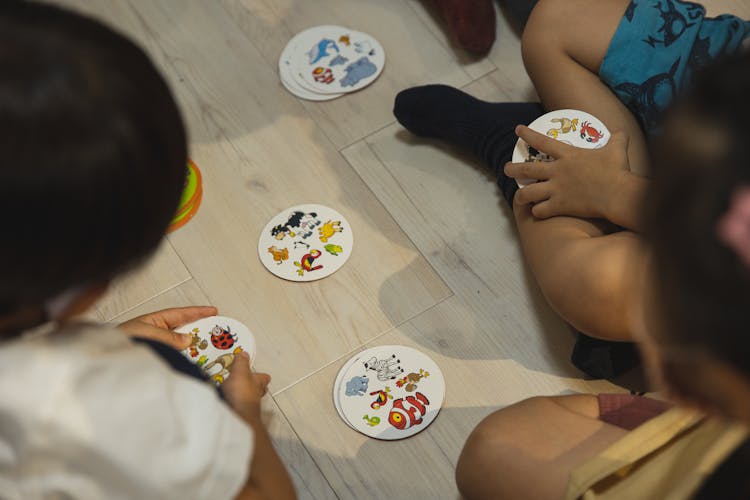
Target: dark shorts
point(658, 46)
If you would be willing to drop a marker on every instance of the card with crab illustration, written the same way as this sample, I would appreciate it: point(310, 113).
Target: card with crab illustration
point(577, 128)
point(389, 392)
point(216, 342)
point(305, 243)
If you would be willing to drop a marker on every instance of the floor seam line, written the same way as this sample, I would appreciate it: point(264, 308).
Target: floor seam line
point(351, 351)
point(139, 304)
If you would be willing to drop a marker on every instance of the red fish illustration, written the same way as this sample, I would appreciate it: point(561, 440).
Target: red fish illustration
point(408, 411)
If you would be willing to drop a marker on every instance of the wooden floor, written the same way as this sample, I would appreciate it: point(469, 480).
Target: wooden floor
point(436, 262)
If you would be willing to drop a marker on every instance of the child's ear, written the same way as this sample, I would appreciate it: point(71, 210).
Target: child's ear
point(85, 300)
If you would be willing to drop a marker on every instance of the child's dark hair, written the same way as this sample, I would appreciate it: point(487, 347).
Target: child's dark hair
point(93, 153)
point(703, 157)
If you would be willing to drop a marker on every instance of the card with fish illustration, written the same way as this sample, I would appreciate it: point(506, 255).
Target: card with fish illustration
point(389, 392)
point(216, 342)
point(287, 76)
point(332, 60)
point(305, 243)
point(570, 126)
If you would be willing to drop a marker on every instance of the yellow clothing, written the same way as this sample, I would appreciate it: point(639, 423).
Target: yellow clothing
point(667, 458)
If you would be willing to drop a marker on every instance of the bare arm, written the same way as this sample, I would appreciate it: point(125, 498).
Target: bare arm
point(268, 477)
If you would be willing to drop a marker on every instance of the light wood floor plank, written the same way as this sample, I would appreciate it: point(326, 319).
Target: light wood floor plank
point(164, 271)
point(308, 479)
point(453, 212)
point(413, 55)
point(260, 153)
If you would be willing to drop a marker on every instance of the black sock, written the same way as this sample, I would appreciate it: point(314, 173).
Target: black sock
point(483, 128)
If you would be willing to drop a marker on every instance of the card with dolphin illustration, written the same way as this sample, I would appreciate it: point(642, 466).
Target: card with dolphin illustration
point(327, 61)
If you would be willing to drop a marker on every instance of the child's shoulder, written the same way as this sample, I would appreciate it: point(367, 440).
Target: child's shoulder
point(89, 397)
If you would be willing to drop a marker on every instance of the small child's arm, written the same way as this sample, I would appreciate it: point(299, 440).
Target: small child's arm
point(268, 478)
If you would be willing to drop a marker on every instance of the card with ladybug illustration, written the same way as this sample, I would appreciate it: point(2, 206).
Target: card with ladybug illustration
point(577, 128)
point(305, 243)
point(335, 60)
point(389, 392)
point(216, 342)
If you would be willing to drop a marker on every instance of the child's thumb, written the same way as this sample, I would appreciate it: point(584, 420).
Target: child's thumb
point(241, 364)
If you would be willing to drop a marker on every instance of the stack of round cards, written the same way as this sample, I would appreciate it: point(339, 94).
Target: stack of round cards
point(216, 342)
point(305, 243)
point(326, 62)
point(389, 392)
point(192, 194)
point(570, 126)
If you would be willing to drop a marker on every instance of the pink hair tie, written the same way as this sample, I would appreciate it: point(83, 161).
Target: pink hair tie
point(733, 228)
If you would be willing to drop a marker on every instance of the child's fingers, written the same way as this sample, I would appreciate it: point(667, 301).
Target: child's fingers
point(537, 170)
point(137, 328)
point(542, 143)
point(532, 193)
point(543, 210)
point(178, 316)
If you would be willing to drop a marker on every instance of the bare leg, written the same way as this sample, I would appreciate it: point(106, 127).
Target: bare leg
point(586, 275)
point(527, 450)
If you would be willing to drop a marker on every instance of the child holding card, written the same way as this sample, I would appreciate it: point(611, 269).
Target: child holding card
point(693, 333)
point(94, 155)
point(623, 62)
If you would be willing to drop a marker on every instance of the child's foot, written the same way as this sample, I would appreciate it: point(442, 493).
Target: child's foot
point(472, 23)
point(483, 128)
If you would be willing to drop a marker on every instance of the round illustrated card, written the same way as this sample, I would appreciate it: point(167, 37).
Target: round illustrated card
point(332, 60)
point(305, 243)
point(570, 126)
point(337, 384)
point(216, 342)
point(390, 392)
point(288, 76)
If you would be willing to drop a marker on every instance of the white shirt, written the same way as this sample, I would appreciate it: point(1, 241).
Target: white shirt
point(87, 413)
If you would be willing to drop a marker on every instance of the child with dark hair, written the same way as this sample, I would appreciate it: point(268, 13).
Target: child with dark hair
point(622, 61)
point(94, 155)
point(692, 330)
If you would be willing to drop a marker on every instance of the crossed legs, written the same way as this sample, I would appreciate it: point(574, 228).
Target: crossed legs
point(586, 274)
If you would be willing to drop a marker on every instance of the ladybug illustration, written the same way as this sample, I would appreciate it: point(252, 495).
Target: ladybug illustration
point(222, 338)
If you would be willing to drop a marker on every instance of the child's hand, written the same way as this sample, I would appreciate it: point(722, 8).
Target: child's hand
point(159, 325)
point(244, 388)
point(579, 182)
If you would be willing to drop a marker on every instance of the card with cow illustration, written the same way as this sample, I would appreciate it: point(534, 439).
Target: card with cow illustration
point(389, 392)
point(570, 126)
point(335, 60)
point(216, 342)
point(305, 243)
